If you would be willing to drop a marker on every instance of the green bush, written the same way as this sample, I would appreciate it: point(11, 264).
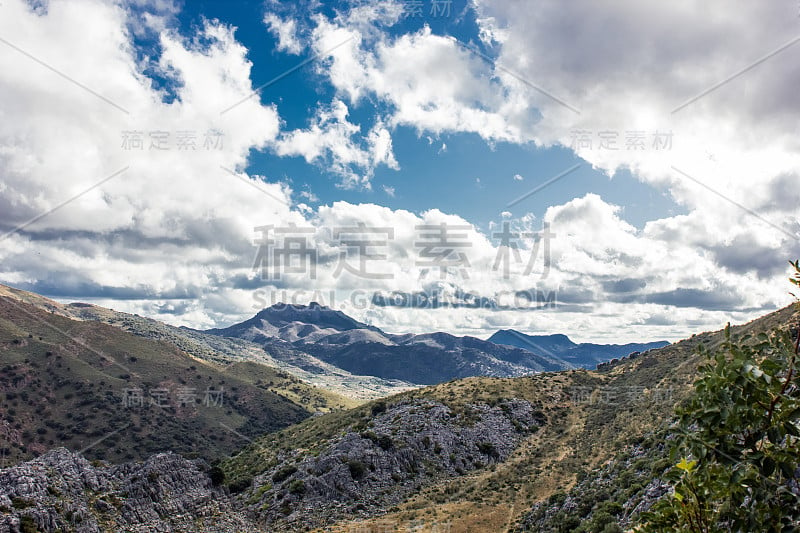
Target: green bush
point(357, 469)
point(217, 475)
point(27, 525)
point(283, 473)
point(738, 438)
point(297, 487)
point(20, 503)
point(240, 485)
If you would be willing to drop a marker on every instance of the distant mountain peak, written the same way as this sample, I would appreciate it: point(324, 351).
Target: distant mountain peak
point(292, 322)
point(542, 344)
point(556, 337)
point(282, 307)
point(313, 313)
point(558, 345)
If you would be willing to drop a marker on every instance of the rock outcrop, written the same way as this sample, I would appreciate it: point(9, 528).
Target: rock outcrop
point(410, 444)
point(62, 491)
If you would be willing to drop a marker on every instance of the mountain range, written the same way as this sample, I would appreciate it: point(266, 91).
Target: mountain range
point(71, 370)
point(574, 450)
point(571, 449)
point(335, 338)
point(585, 355)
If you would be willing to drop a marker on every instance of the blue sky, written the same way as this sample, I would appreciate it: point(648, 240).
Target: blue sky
point(675, 209)
point(454, 172)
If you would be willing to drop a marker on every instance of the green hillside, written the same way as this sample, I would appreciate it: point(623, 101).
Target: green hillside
point(589, 418)
point(90, 386)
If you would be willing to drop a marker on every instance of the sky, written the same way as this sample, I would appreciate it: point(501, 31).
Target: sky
point(615, 171)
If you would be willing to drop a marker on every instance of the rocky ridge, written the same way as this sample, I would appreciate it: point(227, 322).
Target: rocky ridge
point(403, 448)
point(62, 491)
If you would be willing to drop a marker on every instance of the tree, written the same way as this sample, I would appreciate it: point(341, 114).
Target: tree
point(738, 440)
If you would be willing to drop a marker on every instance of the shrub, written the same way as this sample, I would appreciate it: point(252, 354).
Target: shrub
point(357, 469)
point(487, 448)
point(217, 476)
point(378, 408)
point(240, 485)
point(27, 525)
point(738, 438)
point(20, 503)
point(297, 487)
point(283, 473)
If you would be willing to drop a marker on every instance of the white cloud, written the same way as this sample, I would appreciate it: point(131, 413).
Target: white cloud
point(308, 195)
point(625, 77)
point(518, 177)
point(174, 220)
point(173, 235)
point(285, 30)
point(429, 81)
point(631, 73)
point(335, 142)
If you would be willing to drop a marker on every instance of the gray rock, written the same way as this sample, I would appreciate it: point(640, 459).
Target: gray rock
point(361, 473)
point(62, 491)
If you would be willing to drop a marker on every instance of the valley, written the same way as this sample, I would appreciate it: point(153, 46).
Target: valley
point(526, 450)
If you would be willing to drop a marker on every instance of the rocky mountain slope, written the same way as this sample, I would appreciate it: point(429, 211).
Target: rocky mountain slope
point(400, 449)
point(88, 385)
point(584, 355)
point(576, 450)
point(62, 491)
point(592, 458)
point(219, 350)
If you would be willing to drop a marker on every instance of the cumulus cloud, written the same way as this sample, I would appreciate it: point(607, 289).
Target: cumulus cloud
point(154, 213)
point(169, 232)
point(285, 31)
point(614, 93)
point(335, 142)
point(630, 78)
point(430, 82)
point(559, 76)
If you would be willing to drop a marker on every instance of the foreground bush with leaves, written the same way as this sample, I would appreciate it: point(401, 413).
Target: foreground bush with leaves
point(737, 440)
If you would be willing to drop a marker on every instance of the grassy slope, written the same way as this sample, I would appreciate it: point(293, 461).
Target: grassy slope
point(238, 357)
point(580, 435)
point(62, 383)
point(344, 389)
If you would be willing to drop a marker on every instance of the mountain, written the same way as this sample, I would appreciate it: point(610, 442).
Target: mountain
point(578, 450)
point(584, 355)
point(313, 383)
point(87, 385)
point(62, 491)
point(334, 338)
point(581, 450)
point(294, 322)
point(556, 343)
